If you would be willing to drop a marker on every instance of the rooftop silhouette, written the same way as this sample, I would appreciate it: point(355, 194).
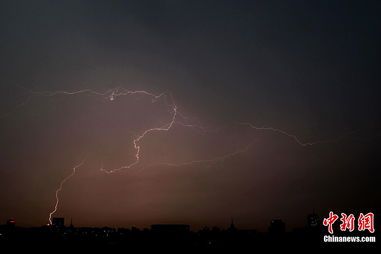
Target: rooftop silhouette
point(166, 236)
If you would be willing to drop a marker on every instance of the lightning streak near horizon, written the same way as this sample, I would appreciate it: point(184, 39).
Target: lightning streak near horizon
point(74, 170)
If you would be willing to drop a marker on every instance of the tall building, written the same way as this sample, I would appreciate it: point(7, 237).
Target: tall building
point(232, 227)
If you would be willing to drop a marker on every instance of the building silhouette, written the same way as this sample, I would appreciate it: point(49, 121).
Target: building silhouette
point(170, 228)
point(313, 220)
point(277, 226)
point(58, 222)
point(232, 227)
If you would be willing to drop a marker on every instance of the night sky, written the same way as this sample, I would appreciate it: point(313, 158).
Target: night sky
point(308, 68)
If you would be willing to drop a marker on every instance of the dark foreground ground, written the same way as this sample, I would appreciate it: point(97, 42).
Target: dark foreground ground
point(124, 240)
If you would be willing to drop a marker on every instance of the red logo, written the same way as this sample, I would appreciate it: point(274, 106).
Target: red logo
point(329, 221)
point(348, 222)
point(364, 222)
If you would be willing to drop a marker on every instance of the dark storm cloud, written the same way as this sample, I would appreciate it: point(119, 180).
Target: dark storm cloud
point(311, 68)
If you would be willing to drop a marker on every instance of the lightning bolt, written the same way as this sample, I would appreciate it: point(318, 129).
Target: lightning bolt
point(224, 157)
point(294, 137)
point(220, 158)
point(59, 189)
point(112, 94)
point(136, 141)
point(175, 114)
point(15, 108)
